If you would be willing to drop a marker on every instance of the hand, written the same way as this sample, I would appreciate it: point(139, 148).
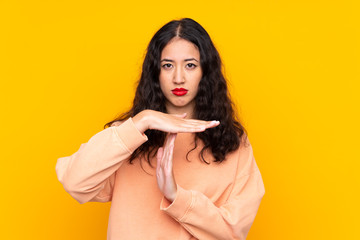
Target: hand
point(150, 119)
point(164, 168)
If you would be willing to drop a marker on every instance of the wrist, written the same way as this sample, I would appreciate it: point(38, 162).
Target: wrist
point(141, 121)
point(171, 198)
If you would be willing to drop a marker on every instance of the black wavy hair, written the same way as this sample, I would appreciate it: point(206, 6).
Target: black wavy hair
point(211, 102)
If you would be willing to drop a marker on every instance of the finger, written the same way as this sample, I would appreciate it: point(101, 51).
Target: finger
point(167, 141)
point(170, 158)
point(201, 122)
point(188, 129)
point(159, 156)
point(213, 124)
point(201, 125)
point(169, 161)
point(171, 145)
point(185, 126)
point(168, 149)
point(172, 137)
point(195, 121)
point(160, 153)
point(159, 171)
point(170, 141)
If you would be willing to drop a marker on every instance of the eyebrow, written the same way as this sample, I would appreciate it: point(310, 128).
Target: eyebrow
point(186, 60)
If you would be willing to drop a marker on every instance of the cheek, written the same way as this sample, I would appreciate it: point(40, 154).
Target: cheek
point(197, 80)
point(163, 77)
point(163, 84)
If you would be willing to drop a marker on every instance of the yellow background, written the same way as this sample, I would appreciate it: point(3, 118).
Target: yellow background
point(68, 67)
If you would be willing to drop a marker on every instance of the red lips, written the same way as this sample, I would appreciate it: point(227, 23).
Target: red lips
point(179, 91)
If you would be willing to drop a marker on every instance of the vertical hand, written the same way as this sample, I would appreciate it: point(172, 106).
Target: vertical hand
point(164, 168)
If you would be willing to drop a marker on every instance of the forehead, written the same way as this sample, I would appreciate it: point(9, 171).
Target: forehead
point(179, 49)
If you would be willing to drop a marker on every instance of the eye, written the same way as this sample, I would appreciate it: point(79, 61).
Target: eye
point(190, 65)
point(167, 65)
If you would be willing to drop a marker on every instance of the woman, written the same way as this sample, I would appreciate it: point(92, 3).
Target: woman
point(206, 184)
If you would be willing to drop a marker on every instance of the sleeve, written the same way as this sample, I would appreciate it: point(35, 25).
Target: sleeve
point(202, 219)
point(88, 175)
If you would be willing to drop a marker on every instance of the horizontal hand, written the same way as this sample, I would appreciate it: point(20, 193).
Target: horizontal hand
point(150, 119)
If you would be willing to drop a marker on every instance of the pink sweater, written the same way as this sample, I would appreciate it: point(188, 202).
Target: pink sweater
point(215, 201)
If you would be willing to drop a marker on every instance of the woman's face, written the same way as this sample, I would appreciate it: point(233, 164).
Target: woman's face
point(180, 75)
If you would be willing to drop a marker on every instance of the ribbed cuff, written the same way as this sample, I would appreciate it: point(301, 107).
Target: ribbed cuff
point(130, 135)
point(180, 206)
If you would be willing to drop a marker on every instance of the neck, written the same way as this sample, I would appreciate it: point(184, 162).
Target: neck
point(188, 109)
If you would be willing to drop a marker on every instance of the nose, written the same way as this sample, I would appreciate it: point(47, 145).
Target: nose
point(178, 77)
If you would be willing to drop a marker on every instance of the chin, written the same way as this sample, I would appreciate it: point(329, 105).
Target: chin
point(180, 103)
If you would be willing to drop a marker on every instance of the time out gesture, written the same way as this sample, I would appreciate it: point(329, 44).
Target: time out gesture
point(172, 124)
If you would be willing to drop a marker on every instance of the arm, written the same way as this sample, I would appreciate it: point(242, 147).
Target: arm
point(89, 174)
point(202, 219)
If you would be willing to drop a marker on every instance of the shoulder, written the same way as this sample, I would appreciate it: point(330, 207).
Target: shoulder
point(244, 147)
point(245, 158)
